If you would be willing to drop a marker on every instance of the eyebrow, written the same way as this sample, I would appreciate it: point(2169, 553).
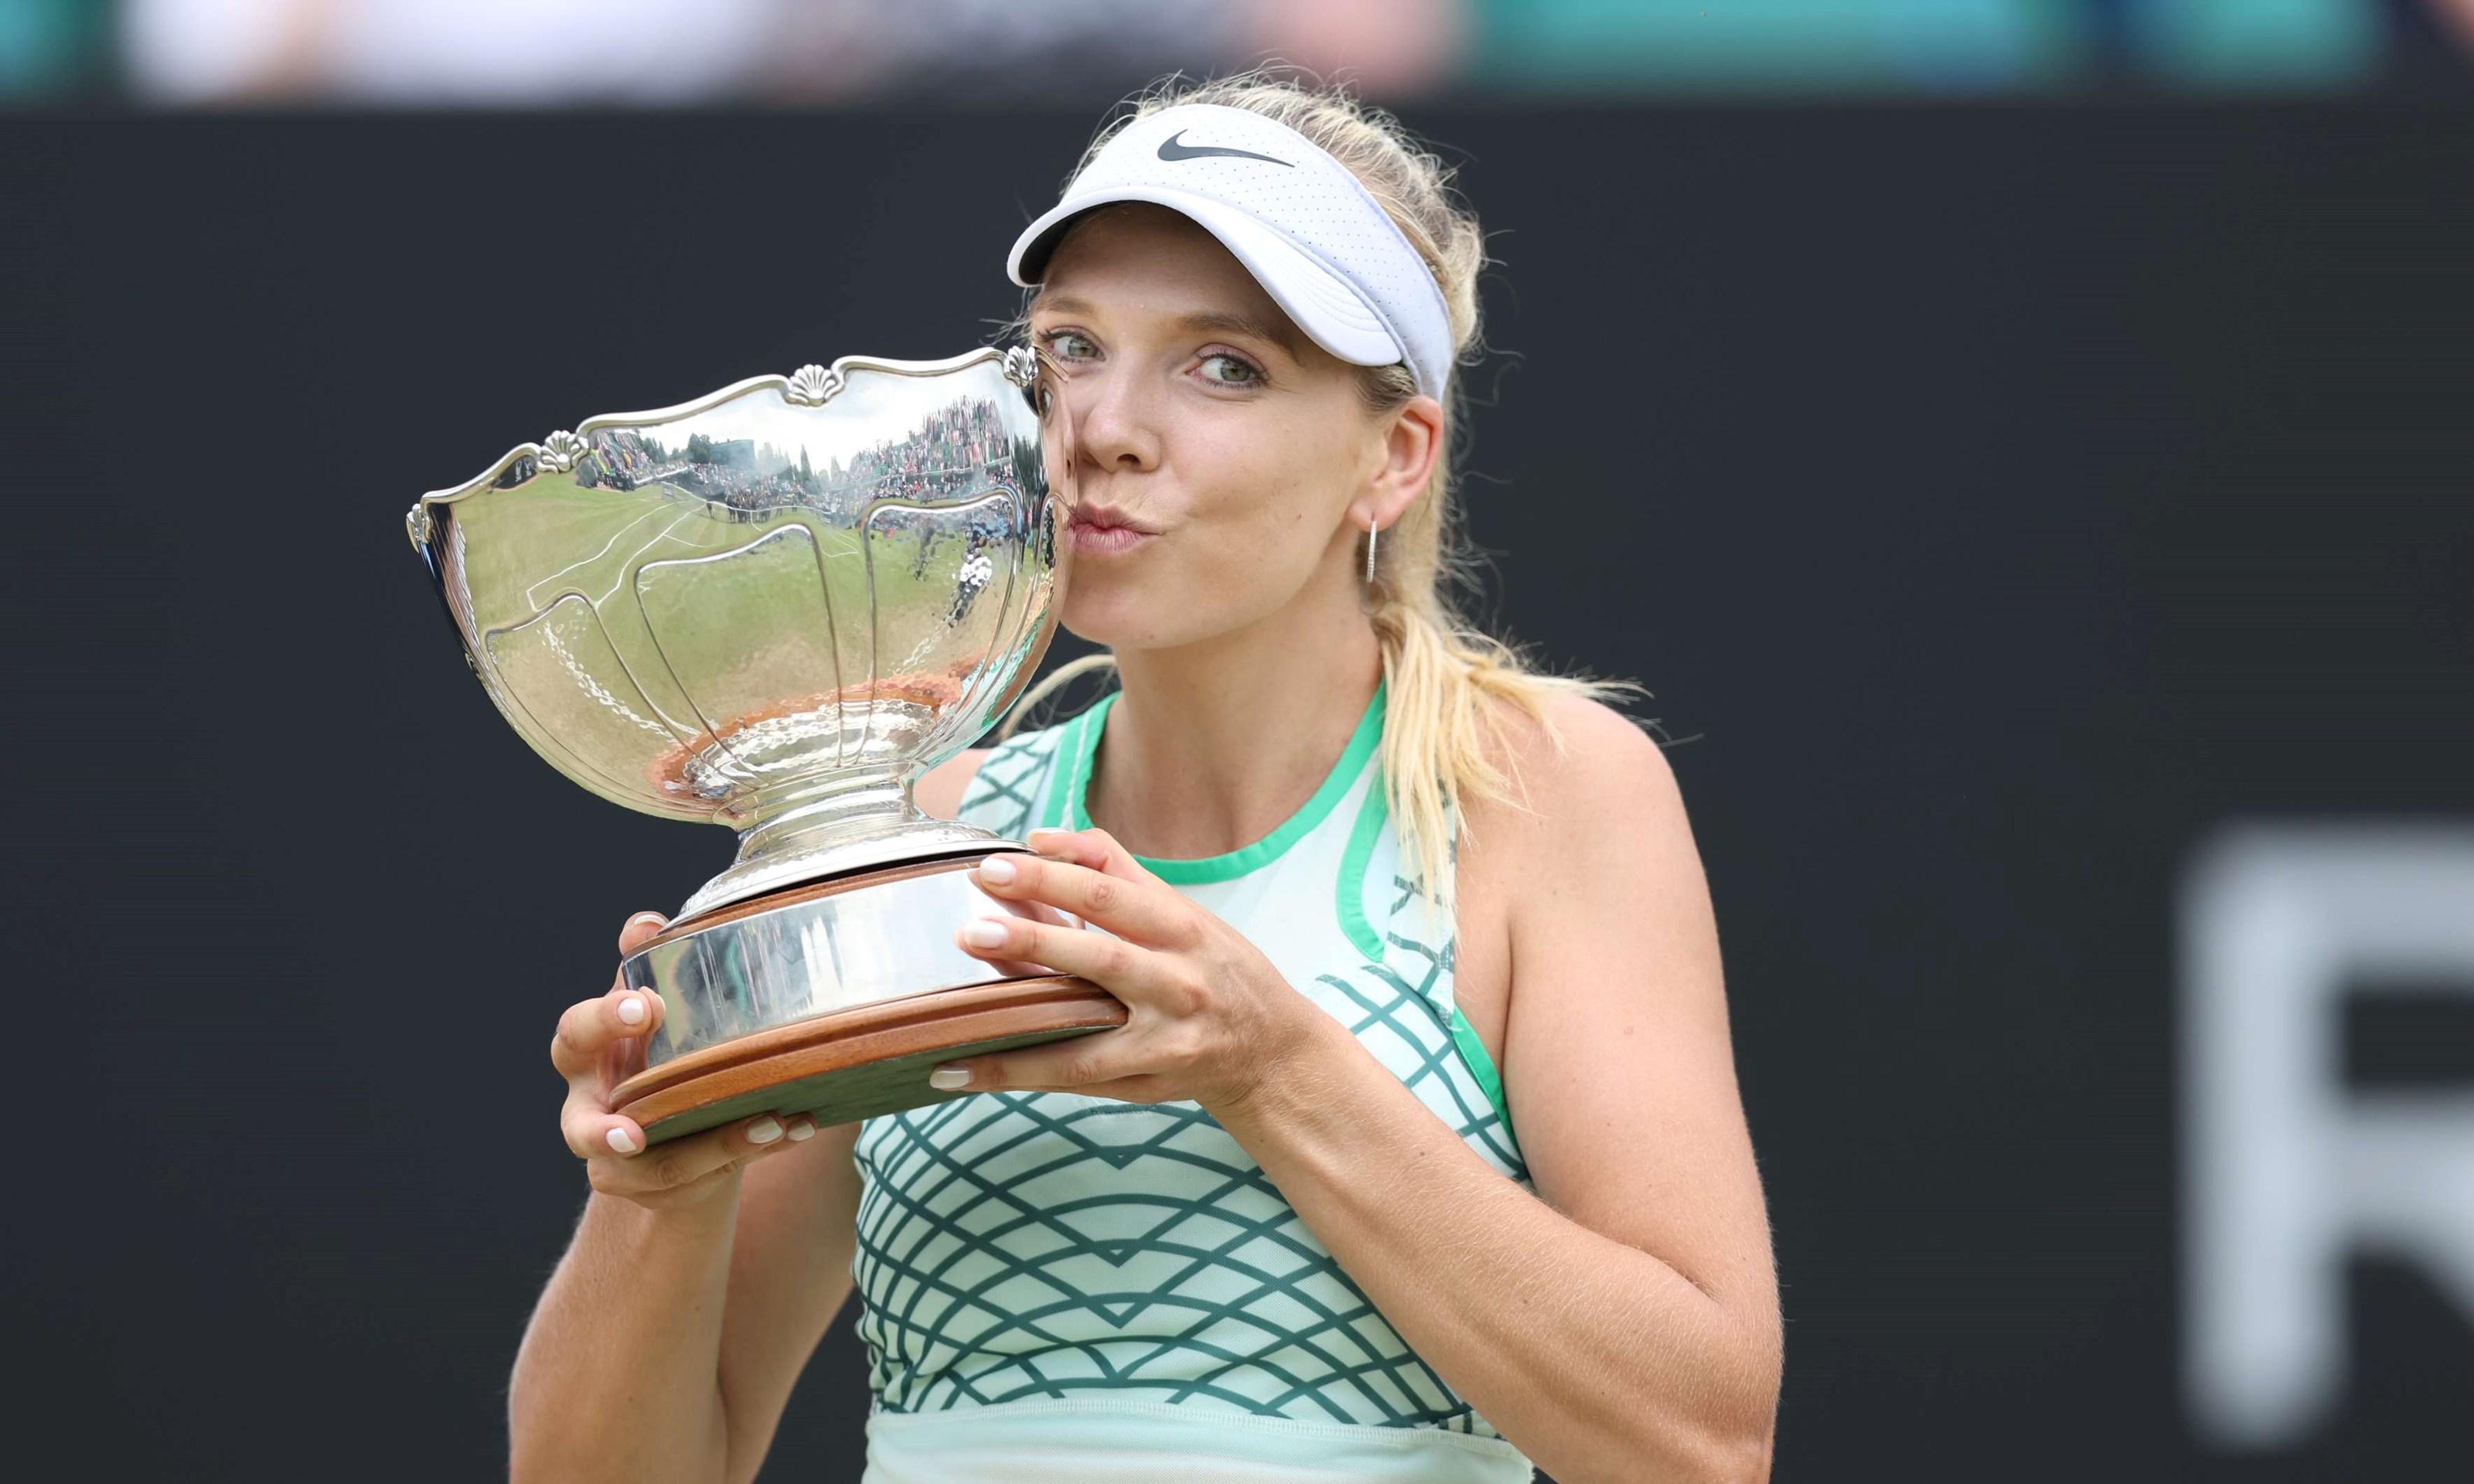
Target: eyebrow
point(1280, 330)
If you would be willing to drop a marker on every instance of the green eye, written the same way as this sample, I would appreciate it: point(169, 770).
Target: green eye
point(1070, 344)
point(1230, 371)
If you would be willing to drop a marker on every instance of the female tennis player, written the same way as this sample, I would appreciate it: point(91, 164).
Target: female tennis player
point(1421, 1157)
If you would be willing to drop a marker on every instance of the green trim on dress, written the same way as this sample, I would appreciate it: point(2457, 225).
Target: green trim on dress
point(1349, 890)
point(1350, 886)
point(1085, 745)
point(1482, 1066)
point(1053, 812)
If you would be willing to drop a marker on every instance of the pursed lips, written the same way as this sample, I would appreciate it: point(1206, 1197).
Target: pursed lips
point(1105, 519)
point(1105, 533)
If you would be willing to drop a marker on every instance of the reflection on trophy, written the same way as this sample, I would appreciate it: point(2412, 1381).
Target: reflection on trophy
point(773, 607)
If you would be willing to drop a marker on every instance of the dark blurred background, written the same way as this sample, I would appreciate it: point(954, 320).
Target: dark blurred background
point(636, 53)
point(2024, 444)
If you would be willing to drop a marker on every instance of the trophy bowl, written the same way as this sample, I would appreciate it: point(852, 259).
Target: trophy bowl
point(773, 607)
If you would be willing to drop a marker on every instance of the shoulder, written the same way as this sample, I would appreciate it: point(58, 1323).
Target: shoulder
point(1585, 910)
point(1614, 965)
point(1591, 847)
point(1583, 772)
point(939, 790)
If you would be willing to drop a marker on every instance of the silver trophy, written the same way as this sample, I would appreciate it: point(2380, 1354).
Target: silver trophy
point(773, 607)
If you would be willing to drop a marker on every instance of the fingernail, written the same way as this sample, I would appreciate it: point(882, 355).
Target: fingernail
point(632, 1010)
point(764, 1130)
point(997, 869)
point(802, 1131)
point(948, 1077)
point(622, 1141)
point(984, 932)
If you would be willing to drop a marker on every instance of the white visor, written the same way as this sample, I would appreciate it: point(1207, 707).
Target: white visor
point(1307, 230)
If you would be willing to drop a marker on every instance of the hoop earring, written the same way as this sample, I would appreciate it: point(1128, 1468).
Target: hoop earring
point(1371, 532)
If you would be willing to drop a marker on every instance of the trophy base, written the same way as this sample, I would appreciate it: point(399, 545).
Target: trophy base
point(860, 1063)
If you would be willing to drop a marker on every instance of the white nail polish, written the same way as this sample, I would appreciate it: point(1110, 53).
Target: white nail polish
point(801, 1133)
point(632, 1010)
point(984, 932)
point(947, 1078)
point(622, 1142)
point(997, 869)
point(764, 1130)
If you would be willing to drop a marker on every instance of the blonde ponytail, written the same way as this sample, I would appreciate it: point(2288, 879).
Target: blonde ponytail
point(1443, 675)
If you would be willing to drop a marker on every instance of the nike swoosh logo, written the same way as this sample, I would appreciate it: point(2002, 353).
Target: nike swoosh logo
point(1172, 148)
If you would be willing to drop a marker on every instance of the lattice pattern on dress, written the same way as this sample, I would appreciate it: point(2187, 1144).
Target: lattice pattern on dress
point(1016, 1246)
point(1423, 968)
point(1392, 1012)
point(1005, 790)
point(1043, 1245)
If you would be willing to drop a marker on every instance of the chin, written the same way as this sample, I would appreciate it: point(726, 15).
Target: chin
point(1116, 613)
point(1094, 609)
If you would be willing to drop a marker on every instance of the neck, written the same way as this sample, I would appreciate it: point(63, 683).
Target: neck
point(1213, 744)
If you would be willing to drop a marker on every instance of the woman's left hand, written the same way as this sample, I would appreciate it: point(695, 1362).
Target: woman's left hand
point(1209, 1014)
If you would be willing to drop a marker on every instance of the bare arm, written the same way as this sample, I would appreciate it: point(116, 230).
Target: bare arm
point(700, 1277)
point(702, 1273)
point(668, 1340)
point(939, 790)
point(1623, 1323)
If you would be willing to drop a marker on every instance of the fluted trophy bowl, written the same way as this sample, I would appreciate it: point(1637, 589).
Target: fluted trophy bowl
point(773, 607)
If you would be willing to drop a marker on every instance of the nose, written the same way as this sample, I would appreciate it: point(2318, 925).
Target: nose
point(1114, 422)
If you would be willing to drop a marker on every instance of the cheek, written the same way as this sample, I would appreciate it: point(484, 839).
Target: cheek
point(1263, 529)
point(1277, 487)
point(1257, 503)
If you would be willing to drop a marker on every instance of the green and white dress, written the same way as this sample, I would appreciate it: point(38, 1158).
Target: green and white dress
point(1078, 1290)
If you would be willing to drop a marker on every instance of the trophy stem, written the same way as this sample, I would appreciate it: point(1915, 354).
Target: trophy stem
point(823, 809)
point(830, 824)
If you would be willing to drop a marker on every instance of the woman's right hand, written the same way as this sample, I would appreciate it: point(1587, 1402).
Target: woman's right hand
point(600, 1043)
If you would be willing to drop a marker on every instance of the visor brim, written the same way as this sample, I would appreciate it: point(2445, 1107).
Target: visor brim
point(1319, 301)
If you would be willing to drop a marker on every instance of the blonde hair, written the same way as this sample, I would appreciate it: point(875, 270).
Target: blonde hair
point(1442, 670)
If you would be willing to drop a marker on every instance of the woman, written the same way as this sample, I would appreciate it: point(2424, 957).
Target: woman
point(1377, 896)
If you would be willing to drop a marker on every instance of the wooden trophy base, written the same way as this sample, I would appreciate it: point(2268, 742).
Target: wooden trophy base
point(860, 1063)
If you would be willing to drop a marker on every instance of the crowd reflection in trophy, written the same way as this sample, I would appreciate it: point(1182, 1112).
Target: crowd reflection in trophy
point(953, 452)
point(958, 452)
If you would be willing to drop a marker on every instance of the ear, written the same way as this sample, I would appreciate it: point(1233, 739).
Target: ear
point(1412, 441)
